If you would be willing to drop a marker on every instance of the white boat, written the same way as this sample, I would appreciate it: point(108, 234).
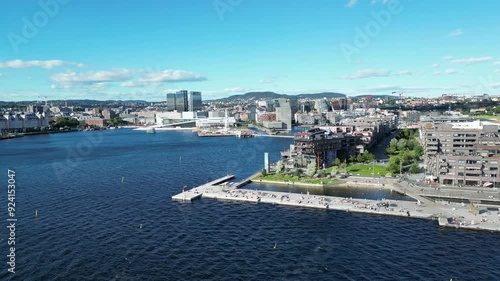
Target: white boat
point(151, 130)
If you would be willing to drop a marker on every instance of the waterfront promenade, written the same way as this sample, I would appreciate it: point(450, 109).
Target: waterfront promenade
point(448, 214)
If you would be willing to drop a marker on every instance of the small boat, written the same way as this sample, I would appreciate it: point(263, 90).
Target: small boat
point(151, 130)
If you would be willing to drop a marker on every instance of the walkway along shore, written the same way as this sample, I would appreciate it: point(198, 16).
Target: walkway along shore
point(456, 215)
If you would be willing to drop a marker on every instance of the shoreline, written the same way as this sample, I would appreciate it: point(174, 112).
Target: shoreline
point(450, 215)
point(20, 135)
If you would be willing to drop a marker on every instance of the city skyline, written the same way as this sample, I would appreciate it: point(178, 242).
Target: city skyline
point(75, 49)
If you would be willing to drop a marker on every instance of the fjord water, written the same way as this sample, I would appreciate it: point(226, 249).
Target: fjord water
point(94, 190)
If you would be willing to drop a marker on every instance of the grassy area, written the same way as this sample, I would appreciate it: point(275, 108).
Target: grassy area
point(302, 179)
point(366, 170)
point(488, 117)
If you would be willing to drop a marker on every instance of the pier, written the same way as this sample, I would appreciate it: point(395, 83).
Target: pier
point(273, 136)
point(197, 192)
point(447, 214)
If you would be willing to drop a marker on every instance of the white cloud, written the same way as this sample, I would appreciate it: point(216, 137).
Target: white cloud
point(404, 72)
point(471, 60)
point(351, 3)
point(47, 64)
point(70, 78)
point(497, 70)
point(382, 1)
point(437, 72)
point(100, 85)
point(130, 84)
point(168, 75)
point(495, 85)
point(455, 33)
point(434, 65)
point(452, 71)
point(367, 73)
point(496, 63)
point(266, 81)
point(447, 58)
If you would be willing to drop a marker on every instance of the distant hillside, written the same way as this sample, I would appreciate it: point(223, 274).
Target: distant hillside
point(251, 95)
point(377, 96)
point(328, 95)
point(273, 95)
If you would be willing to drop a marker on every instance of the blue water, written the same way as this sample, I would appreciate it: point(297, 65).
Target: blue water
point(353, 192)
point(93, 190)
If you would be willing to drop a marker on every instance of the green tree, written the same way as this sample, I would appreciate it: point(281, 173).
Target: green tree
point(336, 162)
point(393, 142)
point(406, 156)
point(419, 151)
point(391, 150)
point(367, 156)
point(352, 158)
point(414, 168)
point(406, 133)
point(66, 122)
point(298, 172)
point(263, 173)
point(344, 167)
point(393, 165)
point(118, 121)
point(359, 158)
point(279, 167)
point(311, 169)
point(334, 171)
point(323, 173)
point(401, 145)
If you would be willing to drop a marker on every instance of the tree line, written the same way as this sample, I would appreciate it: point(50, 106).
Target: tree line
point(404, 151)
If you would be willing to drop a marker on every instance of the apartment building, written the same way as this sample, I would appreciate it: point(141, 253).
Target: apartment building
point(463, 154)
point(320, 146)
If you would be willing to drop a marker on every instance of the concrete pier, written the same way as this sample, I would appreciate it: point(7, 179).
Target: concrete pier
point(197, 192)
point(456, 215)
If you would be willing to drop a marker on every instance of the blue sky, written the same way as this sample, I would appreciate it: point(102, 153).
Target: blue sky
point(74, 49)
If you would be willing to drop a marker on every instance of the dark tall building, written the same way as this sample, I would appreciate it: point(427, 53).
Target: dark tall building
point(339, 104)
point(181, 100)
point(184, 101)
point(171, 102)
point(194, 101)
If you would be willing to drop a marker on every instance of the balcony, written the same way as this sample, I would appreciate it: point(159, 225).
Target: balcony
point(473, 172)
point(474, 166)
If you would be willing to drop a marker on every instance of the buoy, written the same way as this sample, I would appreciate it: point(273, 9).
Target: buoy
point(275, 245)
point(141, 226)
point(36, 213)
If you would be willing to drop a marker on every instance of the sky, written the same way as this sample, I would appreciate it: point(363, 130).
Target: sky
point(76, 49)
